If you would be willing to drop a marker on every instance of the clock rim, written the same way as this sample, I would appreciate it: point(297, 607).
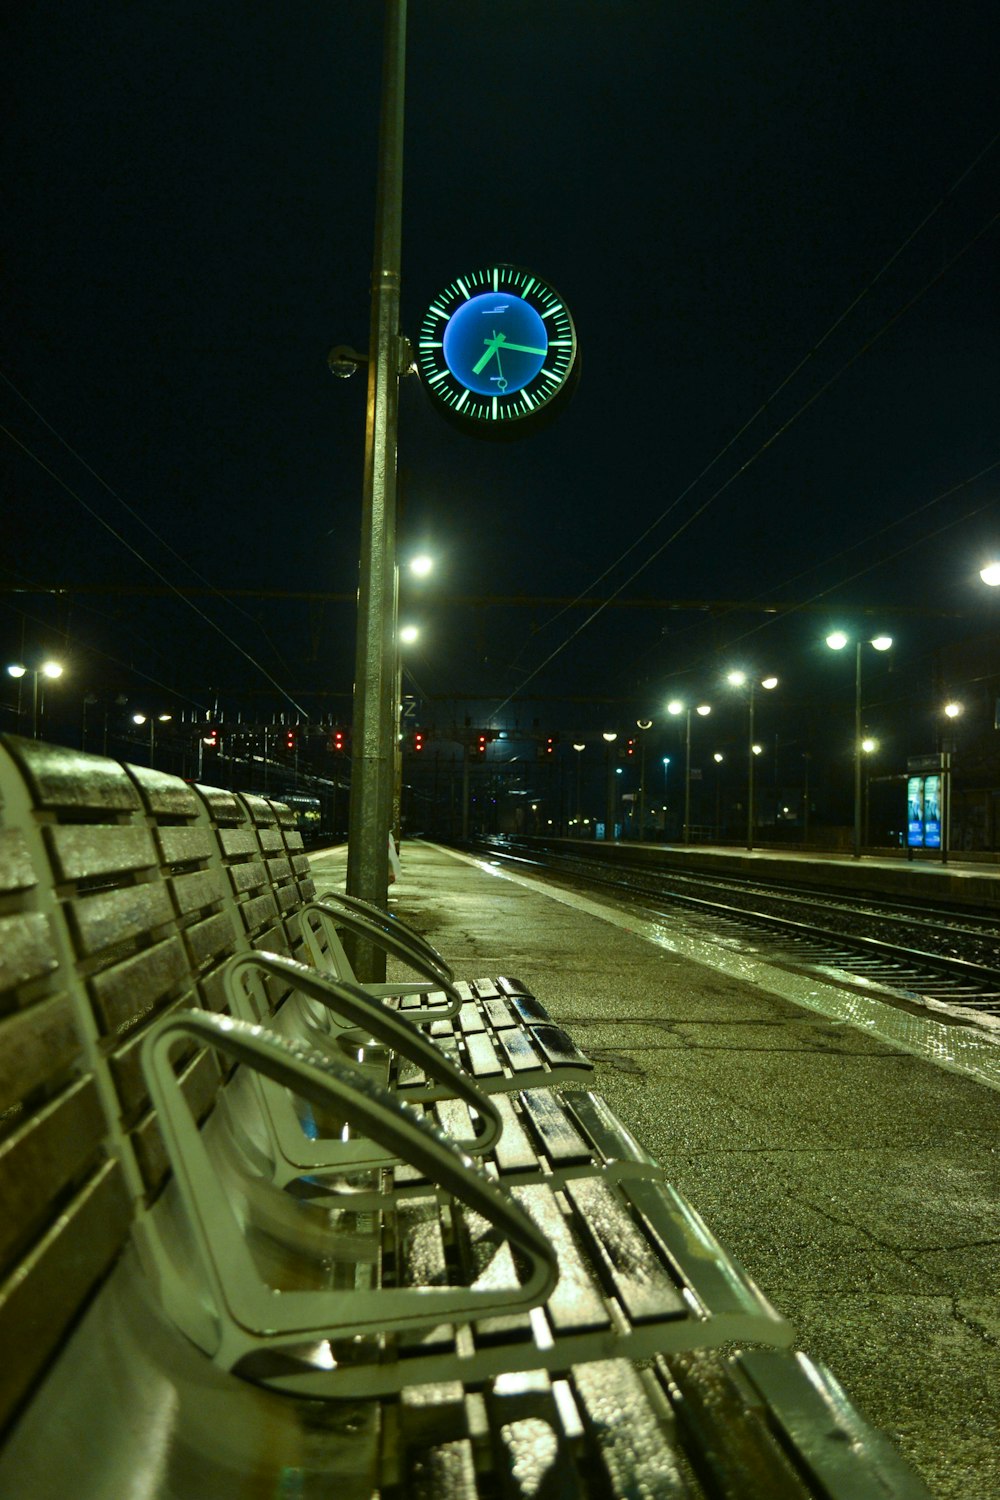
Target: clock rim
point(520, 423)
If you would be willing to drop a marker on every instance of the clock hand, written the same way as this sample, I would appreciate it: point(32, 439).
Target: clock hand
point(492, 345)
point(523, 348)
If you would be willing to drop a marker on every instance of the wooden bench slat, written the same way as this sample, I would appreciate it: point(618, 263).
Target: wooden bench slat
point(628, 1434)
point(194, 891)
point(635, 1272)
point(26, 952)
point(110, 918)
point(182, 845)
point(576, 1304)
point(41, 1159)
point(513, 1151)
point(85, 851)
point(470, 1019)
point(43, 1298)
point(37, 1046)
point(72, 780)
point(558, 1047)
point(519, 1051)
point(138, 985)
point(483, 1061)
point(16, 872)
point(555, 1132)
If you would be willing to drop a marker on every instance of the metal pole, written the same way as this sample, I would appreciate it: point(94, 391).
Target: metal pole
point(750, 776)
point(375, 676)
point(687, 779)
point(857, 749)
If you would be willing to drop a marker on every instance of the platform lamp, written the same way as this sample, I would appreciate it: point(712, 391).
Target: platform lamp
point(836, 642)
point(579, 746)
point(741, 679)
point(405, 636)
point(609, 736)
point(990, 574)
point(49, 669)
point(644, 725)
point(675, 707)
point(152, 720)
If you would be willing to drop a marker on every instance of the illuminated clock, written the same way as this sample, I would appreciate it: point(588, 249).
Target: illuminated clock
point(497, 352)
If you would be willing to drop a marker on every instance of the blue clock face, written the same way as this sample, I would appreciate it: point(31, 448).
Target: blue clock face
point(497, 351)
point(495, 344)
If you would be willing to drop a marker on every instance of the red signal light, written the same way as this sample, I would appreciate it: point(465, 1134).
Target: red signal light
point(418, 741)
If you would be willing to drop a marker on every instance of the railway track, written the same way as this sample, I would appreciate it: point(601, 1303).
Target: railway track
point(946, 960)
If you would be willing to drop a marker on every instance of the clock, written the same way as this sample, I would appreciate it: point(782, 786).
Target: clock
point(497, 352)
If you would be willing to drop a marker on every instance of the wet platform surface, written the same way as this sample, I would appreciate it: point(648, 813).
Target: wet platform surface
point(846, 1152)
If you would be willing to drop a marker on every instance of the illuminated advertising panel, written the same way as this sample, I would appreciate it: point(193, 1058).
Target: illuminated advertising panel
point(915, 812)
point(932, 812)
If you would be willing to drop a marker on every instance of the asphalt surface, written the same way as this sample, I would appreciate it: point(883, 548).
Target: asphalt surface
point(846, 1155)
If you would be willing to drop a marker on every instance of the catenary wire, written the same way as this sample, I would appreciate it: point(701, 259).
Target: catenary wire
point(768, 443)
point(212, 624)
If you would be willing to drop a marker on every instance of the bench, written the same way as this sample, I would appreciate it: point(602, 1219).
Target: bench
point(497, 1029)
point(458, 1335)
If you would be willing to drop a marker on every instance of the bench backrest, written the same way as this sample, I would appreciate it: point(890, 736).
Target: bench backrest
point(89, 957)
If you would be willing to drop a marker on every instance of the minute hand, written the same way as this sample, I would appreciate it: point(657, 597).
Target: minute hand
point(523, 348)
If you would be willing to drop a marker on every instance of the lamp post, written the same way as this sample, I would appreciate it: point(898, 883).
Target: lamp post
point(579, 747)
point(644, 725)
point(375, 696)
point(152, 722)
point(718, 757)
point(406, 636)
point(676, 707)
point(836, 642)
point(740, 679)
point(49, 669)
point(609, 736)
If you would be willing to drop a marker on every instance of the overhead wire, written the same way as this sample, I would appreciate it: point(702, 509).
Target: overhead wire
point(764, 406)
point(135, 514)
point(212, 624)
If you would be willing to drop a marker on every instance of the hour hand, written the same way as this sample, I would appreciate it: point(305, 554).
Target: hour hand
point(492, 345)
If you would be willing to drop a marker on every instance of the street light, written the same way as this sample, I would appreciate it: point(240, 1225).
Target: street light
point(836, 642)
point(152, 722)
point(740, 679)
point(676, 707)
point(645, 725)
point(990, 574)
point(49, 669)
point(609, 736)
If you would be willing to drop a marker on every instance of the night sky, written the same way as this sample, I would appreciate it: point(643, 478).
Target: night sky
point(775, 225)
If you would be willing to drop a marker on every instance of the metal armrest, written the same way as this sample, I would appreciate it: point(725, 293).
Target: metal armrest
point(389, 942)
point(391, 922)
point(353, 1005)
point(212, 1287)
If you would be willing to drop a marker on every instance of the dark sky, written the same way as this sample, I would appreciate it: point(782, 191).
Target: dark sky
point(774, 224)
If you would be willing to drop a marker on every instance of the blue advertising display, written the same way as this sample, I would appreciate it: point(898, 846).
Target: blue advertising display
point(915, 812)
point(932, 812)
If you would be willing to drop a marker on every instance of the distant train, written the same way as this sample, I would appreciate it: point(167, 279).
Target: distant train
point(308, 815)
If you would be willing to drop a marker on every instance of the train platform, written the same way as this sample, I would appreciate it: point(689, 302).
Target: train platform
point(845, 1151)
point(961, 880)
